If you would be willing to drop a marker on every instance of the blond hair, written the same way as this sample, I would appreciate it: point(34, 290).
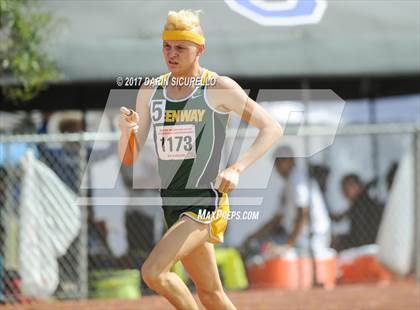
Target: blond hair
point(184, 20)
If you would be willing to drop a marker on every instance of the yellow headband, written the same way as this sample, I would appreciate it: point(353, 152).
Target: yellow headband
point(183, 35)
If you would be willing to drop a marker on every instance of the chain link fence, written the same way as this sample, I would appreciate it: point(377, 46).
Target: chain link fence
point(40, 178)
point(355, 196)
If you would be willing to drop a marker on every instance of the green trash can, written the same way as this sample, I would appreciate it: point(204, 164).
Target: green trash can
point(117, 284)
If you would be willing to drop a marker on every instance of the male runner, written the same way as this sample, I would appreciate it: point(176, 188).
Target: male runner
point(188, 124)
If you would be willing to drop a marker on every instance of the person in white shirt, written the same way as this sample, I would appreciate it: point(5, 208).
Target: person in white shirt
point(302, 213)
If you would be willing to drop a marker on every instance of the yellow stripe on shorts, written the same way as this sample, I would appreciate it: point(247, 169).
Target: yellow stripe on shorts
point(218, 226)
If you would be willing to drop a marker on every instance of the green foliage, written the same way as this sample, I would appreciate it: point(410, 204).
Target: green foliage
point(25, 68)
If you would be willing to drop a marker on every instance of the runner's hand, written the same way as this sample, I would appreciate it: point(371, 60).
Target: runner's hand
point(227, 180)
point(129, 120)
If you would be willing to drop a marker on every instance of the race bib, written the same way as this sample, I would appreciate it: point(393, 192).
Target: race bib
point(176, 142)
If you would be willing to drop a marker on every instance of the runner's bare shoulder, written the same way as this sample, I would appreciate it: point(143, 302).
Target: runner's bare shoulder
point(223, 91)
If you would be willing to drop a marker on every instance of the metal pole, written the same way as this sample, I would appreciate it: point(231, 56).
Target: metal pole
point(83, 250)
point(369, 88)
point(306, 97)
point(417, 203)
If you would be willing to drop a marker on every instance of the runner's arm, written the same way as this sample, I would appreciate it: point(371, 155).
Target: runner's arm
point(131, 143)
point(230, 97)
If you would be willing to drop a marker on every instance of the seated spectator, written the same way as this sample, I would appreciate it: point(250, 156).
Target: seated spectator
point(302, 214)
point(364, 213)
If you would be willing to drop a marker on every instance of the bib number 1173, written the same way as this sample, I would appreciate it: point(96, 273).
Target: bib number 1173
point(176, 142)
point(169, 144)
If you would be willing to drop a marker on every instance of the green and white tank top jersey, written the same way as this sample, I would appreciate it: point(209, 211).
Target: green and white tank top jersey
point(189, 135)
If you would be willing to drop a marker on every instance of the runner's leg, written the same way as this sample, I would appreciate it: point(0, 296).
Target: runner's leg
point(180, 240)
point(201, 266)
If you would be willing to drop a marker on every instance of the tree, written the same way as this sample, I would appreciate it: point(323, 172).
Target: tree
point(25, 68)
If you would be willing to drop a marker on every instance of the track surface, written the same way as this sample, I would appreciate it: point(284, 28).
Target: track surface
point(396, 296)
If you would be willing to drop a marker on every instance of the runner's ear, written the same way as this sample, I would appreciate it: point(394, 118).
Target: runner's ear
point(201, 49)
